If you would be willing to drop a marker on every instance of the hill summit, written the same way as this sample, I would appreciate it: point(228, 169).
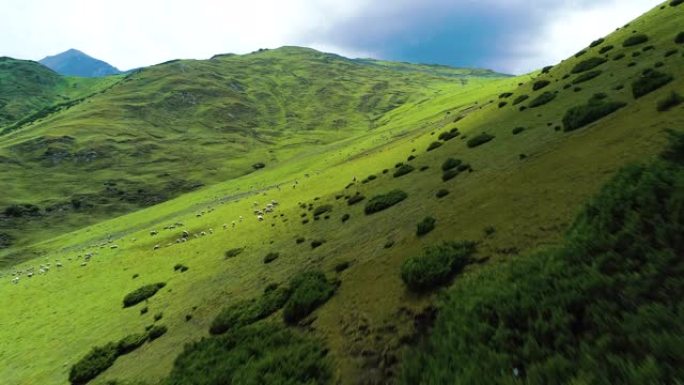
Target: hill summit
point(76, 63)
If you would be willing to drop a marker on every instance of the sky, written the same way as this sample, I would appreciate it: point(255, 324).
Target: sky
point(511, 36)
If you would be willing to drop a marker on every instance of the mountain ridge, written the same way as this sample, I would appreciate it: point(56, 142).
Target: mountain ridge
point(73, 62)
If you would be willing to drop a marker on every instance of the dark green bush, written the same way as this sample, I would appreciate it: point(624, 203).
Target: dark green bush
point(672, 100)
point(384, 201)
point(156, 331)
point(142, 293)
point(586, 76)
point(635, 40)
point(98, 360)
point(606, 49)
point(144, 310)
point(451, 163)
point(232, 253)
point(543, 316)
point(345, 217)
point(425, 226)
point(671, 52)
point(545, 70)
point(448, 135)
point(158, 316)
point(542, 99)
point(434, 145)
point(403, 170)
point(479, 140)
point(679, 39)
point(309, 290)
point(588, 64)
point(539, 84)
point(580, 116)
point(520, 99)
point(437, 265)
point(502, 104)
point(342, 266)
point(130, 343)
point(317, 243)
point(648, 48)
point(265, 353)
point(619, 56)
point(650, 81)
point(675, 3)
point(636, 54)
point(580, 53)
point(442, 193)
point(518, 130)
point(300, 240)
point(320, 210)
point(505, 95)
point(450, 174)
point(246, 312)
point(355, 199)
point(597, 42)
point(270, 257)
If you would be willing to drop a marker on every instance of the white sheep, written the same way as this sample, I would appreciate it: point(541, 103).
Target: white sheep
point(156, 247)
point(15, 280)
point(260, 218)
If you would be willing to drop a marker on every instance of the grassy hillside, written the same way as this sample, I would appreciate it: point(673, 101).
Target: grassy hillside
point(529, 173)
point(174, 127)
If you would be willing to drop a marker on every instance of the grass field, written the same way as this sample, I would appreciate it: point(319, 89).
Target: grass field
point(322, 125)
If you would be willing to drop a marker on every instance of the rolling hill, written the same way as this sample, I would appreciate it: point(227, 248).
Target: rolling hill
point(73, 62)
point(408, 226)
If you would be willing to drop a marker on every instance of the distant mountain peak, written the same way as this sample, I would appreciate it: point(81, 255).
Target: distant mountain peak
point(73, 62)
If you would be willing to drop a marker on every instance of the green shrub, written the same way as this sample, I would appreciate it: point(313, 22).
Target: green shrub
point(580, 116)
point(539, 84)
point(606, 49)
point(450, 174)
point(384, 201)
point(520, 99)
point(600, 310)
point(635, 40)
point(619, 56)
point(98, 360)
point(479, 140)
point(320, 210)
point(597, 42)
point(144, 310)
point(672, 100)
point(246, 312)
point(518, 130)
point(675, 3)
point(448, 135)
point(355, 199)
point(436, 266)
point(317, 243)
point(502, 104)
point(679, 39)
point(158, 316)
point(505, 95)
point(636, 54)
point(345, 217)
point(258, 165)
point(545, 70)
point(265, 353)
point(451, 163)
point(130, 343)
point(425, 226)
point(542, 99)
point(580, 53)
point(588, 64)
point(403, 170)
point(232, 253)
point(671, 52)
point(650, 81)
point(142, 293)
point(586, 76)
point(342, 266)
point(156, 331)
point(434, 145)
point(300, 240)
point(648, 48)
point(270, 257)
point(309, 290)
point(442, 193)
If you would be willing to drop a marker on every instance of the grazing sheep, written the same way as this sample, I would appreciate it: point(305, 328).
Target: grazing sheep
point(203, 233)
point(15, 280)
point(211, 231)
point(186, 234)
point(233, 223)
point(84, 264)
point(114, 246)
point(156, 247)
point(274, 202)
point(153, 233)
point(29, 275)
point(240, 218)
point(225, 226)
point(260, 218)
point(58, 264)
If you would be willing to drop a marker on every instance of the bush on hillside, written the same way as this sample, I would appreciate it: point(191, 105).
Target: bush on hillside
point(635, 40)
point(156, 331)
point(650, 81)
point(384, 201)
point(317, 243)
point(580, 53)
point(606, 49)
point(142, 293)
point(345, 218)
point(98, 360)
point(597, 42)
point(403, 170)
point(320, 210)
point(436, 266)
point(520, 99)
point(618, 56)
point(636, 54)
point(546, 70)
point(309, 290)
point(595, 109)
point(246, 312)
point(425, 226)
point(479, 140)
point(300, 240)
point(671, 52)
point(448, 135)
point(679, 39)
point(258, 166)
point(130, 343)
point(542, 99)
point(518, 130)
point(539, 84)
point(270, 257)
point(588, 64)
point(586, 76)
point(434, 145)
point(265, 353)
point(342, 266)
point(543, 316)
point(232, 253)
point(502, 104)
point(675, 3)
point(442, 193)
point(672, 100)
point(505, 95)
point(450, 174)
point(648, 48)
point(355, 199)
point(451, 163)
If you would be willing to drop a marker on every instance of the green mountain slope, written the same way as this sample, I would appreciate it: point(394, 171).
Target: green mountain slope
point(171, 128)
point(530, 171)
